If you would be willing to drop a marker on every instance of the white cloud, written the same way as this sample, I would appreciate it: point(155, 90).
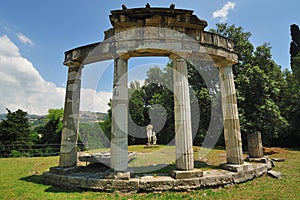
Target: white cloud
point(140, 81)
point(223, 12)
point(94, 101)
point(24, 39)
point(7, 48)
point(22, 87)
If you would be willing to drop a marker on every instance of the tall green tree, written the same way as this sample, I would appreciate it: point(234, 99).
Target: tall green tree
point(138, 117)
point(51, 131)
point(292, 100)
point(15, 131)
point(295, 50)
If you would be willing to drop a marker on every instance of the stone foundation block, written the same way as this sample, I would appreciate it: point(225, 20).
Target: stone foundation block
point(99, 184)
point(187, 184)
point(121, 175)
point(62, 171)
point(50, 178)
point(237, 168)
point(177, 174)
point(260, 170)
point(126, 186)
point(243, 176)
point(264, 159)
point(216, 178)
point(77, 181)
point(160, 183)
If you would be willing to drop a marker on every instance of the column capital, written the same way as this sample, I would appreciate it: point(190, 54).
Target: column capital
point(73, 63)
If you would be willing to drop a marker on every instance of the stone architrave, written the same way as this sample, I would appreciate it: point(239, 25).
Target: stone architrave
point(119, 136)
point(182, 112)
point(255, 146)
point(68, 148)
point(232, 131)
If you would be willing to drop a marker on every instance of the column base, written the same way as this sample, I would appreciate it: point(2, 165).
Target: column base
point(63, 171)
point(264, 159)
point(151, 146)
point(237, 168)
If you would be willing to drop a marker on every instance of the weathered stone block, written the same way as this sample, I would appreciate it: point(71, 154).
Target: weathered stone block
point(278, 159)
point(260, 170)
point(177, 174)
point(159, 183)
point(126, 186)
point(99, 184)
point(60, 170)
point(50, 178)
point(216, 178)
point(270, 164)
point(187, 184)
point(260, 160)
point(237, 168)
point(122, 176)
point(77, 181)
point(255, 146)
point(275, 174)
point(243, 176)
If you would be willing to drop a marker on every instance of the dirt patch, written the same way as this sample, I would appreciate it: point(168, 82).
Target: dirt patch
point(273, 150)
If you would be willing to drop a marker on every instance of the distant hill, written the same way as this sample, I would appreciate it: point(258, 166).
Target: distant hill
point(86, 116)
point(89, 116)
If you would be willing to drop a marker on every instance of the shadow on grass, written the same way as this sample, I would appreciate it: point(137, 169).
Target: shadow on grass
point(38, 179)
point(204, 165)
point(53, 189)
point(168, 168)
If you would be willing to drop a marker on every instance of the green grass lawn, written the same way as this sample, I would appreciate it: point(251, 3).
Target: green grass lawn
point(21, 179)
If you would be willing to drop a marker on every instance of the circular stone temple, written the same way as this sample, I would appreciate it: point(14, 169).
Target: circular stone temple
point(138, 32)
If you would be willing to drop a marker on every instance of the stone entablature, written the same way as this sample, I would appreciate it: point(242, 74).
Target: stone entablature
point(178, 19)
point(217, 47)
point(156, 24)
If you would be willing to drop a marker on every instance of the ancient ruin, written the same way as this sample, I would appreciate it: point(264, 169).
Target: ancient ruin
point(150, 31)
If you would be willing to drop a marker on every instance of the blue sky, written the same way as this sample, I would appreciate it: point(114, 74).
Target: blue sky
point(35, 34)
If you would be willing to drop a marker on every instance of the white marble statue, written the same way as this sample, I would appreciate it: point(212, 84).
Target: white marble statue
point(154, 139)
point(149, 133)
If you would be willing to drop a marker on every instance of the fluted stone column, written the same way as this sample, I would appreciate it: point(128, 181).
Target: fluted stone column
point(68, 148)
point(232, 132)
point(119, 136)
point(182, 112)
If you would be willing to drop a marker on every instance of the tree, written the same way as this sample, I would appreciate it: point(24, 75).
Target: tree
point(295, 50)
point(51, 131)
point(292, 101)
point(137, 113)
point(15, 131)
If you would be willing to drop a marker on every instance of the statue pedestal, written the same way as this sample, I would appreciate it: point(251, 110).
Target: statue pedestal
point(151, 146)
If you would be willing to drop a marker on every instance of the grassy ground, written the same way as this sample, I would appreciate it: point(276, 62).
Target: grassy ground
point(21, 179)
